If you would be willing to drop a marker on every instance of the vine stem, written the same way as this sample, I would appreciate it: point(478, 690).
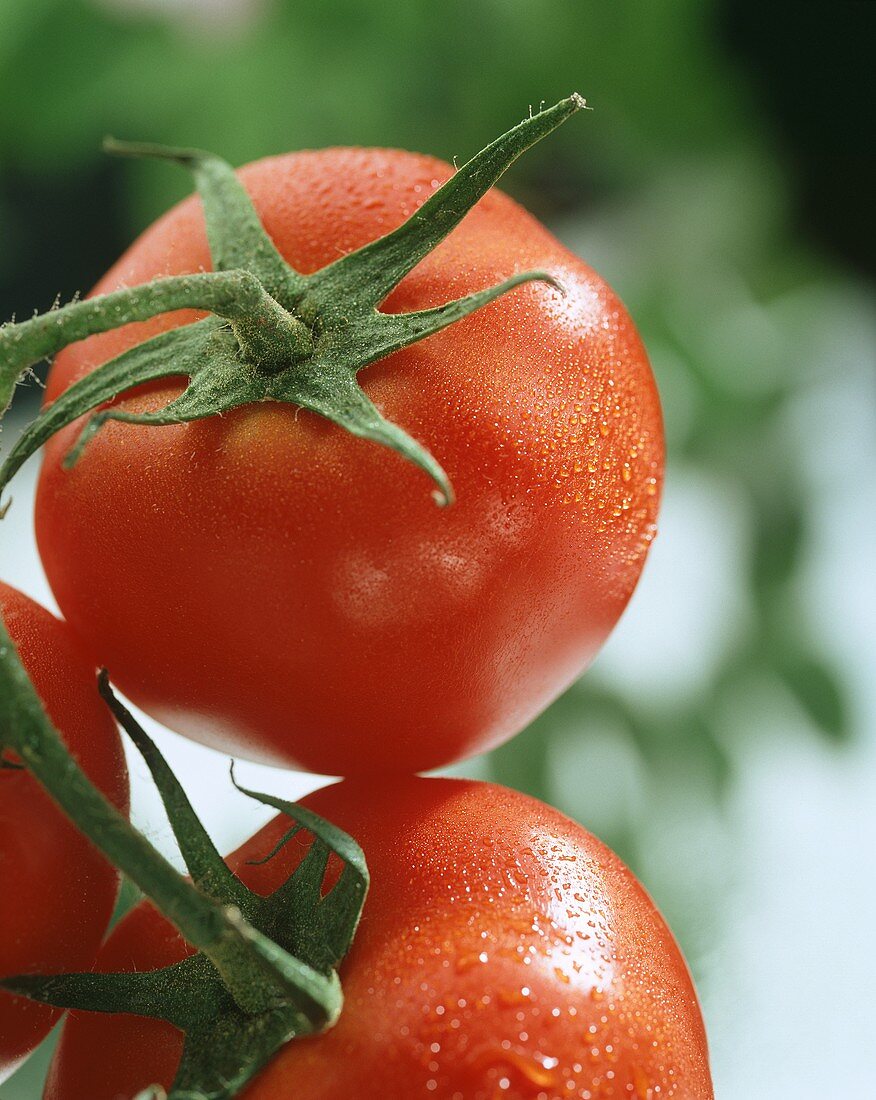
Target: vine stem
point(207, 925)
point(261, 323)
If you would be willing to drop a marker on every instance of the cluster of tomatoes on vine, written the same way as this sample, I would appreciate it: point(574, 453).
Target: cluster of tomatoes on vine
point(349, 466)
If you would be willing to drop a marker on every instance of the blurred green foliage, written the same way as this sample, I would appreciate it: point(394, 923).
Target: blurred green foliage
point(438, 77)
point(676, 188)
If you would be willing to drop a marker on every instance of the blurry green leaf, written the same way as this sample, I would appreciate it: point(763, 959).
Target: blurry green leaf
point(817, 689)
point(522, 762)
point(778, 532)
point(17, 20)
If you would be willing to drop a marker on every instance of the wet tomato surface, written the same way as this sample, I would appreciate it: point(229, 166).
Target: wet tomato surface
point(504, 952)
point(270, 585)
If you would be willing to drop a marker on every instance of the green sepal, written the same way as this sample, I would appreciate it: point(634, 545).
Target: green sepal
point(177, 994)
point(218, 1061)
point(223, 1048)
point(313, 927)
point(235, 234)
point(264, 970)
point(217, 383)
point(304, 924)
point(369, 274)
point(380, 334)
point(206, 866)
point(208, 923)
point(163, 356)
point(335, 394)
point(335, 915)
point(289, 337)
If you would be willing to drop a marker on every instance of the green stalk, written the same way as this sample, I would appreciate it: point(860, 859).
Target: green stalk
point(264, 971)
point(235, 295)
point(205, 923)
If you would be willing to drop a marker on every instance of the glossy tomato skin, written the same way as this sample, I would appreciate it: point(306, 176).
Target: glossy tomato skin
point(269, 585)
point(503, 952)
point(56, 893)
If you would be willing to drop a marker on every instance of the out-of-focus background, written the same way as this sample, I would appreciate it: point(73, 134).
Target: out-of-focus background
point(723, 743)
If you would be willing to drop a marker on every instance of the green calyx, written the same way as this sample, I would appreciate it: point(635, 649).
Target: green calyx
point(273, 334)
point(265, 968)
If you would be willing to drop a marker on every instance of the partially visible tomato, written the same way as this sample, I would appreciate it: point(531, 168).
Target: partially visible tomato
point(270, 585)
point(504, 952)
point(56, 893)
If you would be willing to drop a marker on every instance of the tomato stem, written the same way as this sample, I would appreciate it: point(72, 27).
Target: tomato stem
point(29, 733)
point(237, 296)
point(294, 338)
point(246, 991)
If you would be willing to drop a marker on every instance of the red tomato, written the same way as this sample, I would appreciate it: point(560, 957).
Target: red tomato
point(272, 586)
point(56, 893)
point(503, 952)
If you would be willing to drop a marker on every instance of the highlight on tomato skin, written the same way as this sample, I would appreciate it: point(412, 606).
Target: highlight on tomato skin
point(56, 893)
point(325, 595)
point(503, 952)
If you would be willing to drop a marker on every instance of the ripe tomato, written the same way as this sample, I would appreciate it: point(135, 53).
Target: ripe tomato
point(272, 586)
point(503, 952)
point(57, 893)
